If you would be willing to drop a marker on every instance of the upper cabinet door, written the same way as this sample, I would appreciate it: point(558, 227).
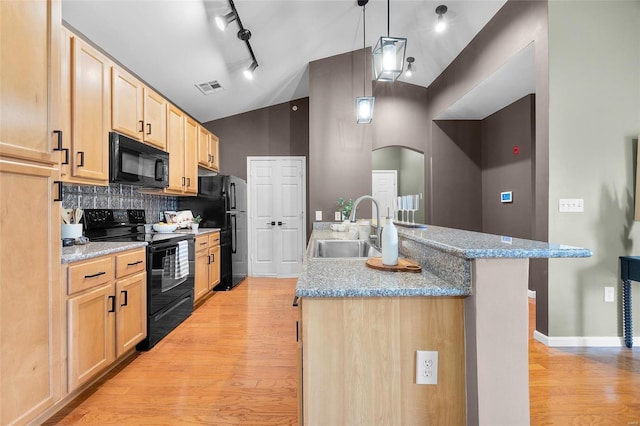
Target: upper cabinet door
point(126, 104)
point(204, 157)
point(175, 147)
point(29, 39)
point(90, 112)
point(214, 150)
point(191, 156)
point(155, 119)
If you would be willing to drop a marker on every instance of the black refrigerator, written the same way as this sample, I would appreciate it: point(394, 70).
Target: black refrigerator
point(222, 203)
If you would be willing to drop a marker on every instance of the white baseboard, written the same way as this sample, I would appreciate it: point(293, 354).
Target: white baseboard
point(531, 294)
point(582, 341)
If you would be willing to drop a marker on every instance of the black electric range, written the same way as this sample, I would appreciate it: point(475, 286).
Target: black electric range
point(170, 289)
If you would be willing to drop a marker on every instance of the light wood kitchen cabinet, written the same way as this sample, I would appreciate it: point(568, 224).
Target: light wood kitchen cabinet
point(191, 156)
point(106, 311)
point(214, 265)
point(29, 87)
point(207, 273)
point(202, 261)
point(155, 119)
point(208, 149)
point(181, 144)
point(31, 351)
point(136, 110)
point(86, 112)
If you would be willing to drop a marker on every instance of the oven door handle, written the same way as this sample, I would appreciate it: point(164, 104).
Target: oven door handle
point(161, 246)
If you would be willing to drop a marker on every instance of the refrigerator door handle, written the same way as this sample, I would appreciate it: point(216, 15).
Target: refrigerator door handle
point(232, 188)
point(234, 235)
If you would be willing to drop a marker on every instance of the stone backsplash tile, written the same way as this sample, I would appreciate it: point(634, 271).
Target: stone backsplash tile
point(116, 196)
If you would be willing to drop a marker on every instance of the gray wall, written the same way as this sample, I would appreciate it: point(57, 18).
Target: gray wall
point(275, 130)
point(516, 25)
point(457, 173)
point(502, 170)
point(594, 67)
point(339, 148)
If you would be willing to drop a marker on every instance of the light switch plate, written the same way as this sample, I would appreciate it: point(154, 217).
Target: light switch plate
point(337, 216)
point(318, 214)
point(571, 205)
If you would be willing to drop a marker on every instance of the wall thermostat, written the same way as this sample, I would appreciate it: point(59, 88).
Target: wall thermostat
point(506, 197)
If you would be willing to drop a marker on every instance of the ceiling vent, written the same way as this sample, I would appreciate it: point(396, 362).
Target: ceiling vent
point(209, 87)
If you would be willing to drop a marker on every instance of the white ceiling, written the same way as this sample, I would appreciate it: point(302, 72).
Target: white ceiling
point(512, 81)
point(174, 44)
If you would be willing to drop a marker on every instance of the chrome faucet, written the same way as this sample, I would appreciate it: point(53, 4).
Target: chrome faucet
point(352, 218)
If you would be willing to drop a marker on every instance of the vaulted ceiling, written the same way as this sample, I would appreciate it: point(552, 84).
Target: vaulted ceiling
point(174, 44)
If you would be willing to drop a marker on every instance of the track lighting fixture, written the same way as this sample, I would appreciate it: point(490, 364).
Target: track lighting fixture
point(388, 55)
point(249, 71)
point(364, 104)
point(223, 21)
point(441, 24)
point(243, 34)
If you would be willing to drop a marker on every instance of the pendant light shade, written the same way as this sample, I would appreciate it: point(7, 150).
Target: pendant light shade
point(388, 58)
point(364, 103)
point(364, 109)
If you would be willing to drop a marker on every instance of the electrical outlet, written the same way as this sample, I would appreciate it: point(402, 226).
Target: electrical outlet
point(609, 294)
point(337, 216)
point(318, 214)
point(426, 367)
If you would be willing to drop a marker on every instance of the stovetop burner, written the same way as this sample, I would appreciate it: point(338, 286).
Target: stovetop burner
point(123, 225)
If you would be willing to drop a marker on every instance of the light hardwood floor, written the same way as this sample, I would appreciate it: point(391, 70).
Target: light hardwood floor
point(234, 362)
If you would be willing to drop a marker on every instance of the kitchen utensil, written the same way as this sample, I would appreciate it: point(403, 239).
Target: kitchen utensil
point(404, 265)
point(77, 215)
point(164, 229)
point(66, 216)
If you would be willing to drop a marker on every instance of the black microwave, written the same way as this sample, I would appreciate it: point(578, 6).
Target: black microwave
point(134, 163)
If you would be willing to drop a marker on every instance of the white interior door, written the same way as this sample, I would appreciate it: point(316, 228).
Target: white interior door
point(384, 188)
point(277, 199)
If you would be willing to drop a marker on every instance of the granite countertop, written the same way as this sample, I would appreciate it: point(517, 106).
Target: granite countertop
point(200, 231)
point(323, 277)
point(475, 245)
point(91, 250)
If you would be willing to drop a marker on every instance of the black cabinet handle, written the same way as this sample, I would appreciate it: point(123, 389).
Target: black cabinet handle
point(113, 303)
point(81, 153)
point(141, 126)
point(125, 297)
point(209, 260)
point(59, 133)
point(188, 181)
point(148, 128)
point(213, 258)
point(59, 183)
point(297, 335)
point(95, 275)
point(60, 148)
point(134, 263)
point(295, 301)
point(183, 180)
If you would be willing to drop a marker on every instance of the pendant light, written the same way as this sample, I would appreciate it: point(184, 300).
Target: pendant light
point(388, 55)
point(364, 104)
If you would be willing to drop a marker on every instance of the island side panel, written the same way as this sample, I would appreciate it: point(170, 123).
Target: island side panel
point(496, 328)
point(359, 360)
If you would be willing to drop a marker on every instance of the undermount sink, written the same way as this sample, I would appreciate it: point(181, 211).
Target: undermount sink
point(344, 248)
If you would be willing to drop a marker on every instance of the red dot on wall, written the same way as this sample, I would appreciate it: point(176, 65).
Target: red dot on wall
point(516, 150)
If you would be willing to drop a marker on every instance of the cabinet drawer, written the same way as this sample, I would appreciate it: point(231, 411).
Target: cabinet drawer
point(89, 274)
point(202, 242)
point(214, 239)
point(130, 262)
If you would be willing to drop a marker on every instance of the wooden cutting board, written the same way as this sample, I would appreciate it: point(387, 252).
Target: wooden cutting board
point(404, 265)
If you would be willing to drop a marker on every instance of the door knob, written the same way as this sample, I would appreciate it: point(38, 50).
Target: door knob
point(271, 223)
point(281, 223)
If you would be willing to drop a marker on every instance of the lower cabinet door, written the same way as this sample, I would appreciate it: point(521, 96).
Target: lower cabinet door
point(214, 267)
point(201, 274)
point(91, 333)
point(131, 316)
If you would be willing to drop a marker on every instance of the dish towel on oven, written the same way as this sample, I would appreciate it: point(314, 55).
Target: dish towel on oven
point(182, 264)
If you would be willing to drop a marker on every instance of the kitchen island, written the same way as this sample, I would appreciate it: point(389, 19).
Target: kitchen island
point(361, 328)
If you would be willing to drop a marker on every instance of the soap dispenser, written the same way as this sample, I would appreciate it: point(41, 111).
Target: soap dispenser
point(389, 243)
